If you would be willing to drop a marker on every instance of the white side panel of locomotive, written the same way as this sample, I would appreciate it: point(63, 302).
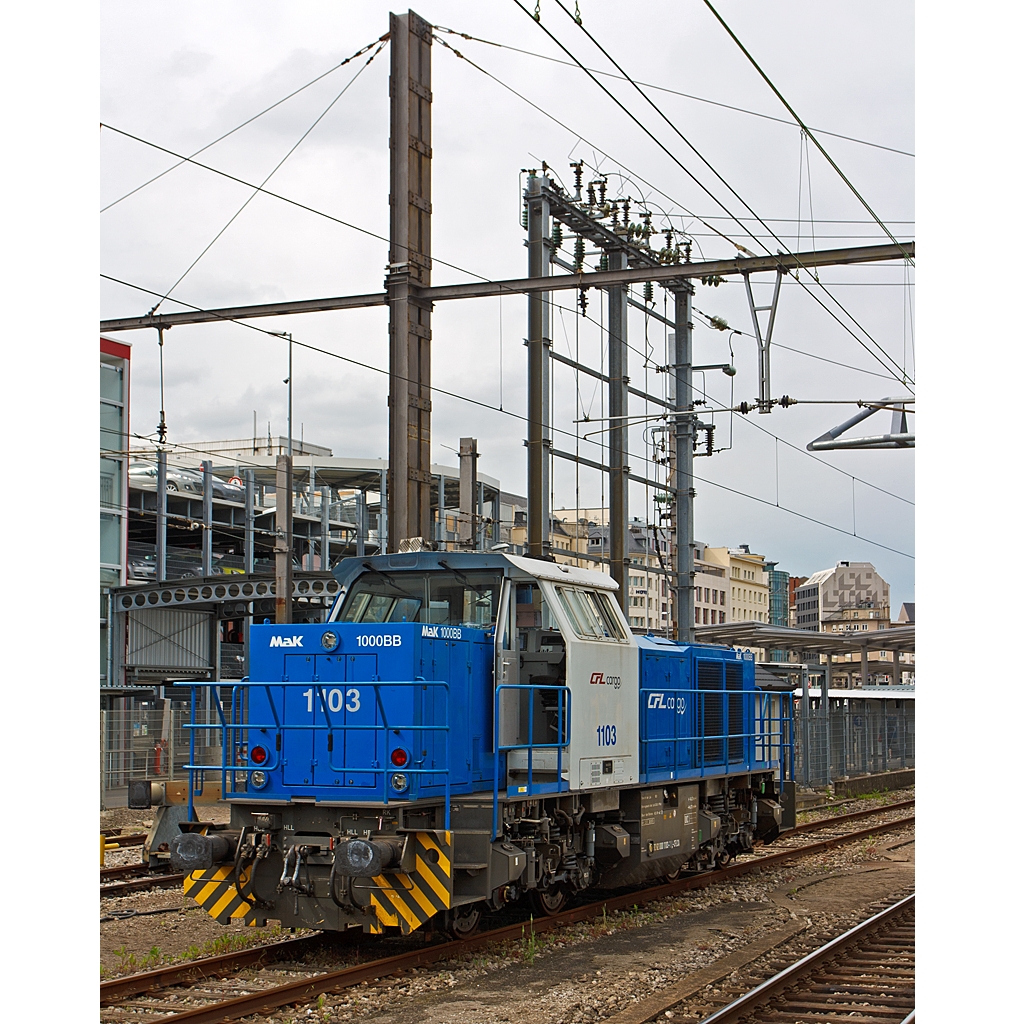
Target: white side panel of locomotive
point(603, 679)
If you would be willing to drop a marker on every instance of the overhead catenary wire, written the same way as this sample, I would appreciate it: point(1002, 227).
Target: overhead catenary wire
point(672, 92)
point(706, 223)
point(379, 237)
point(513, 415)
point(579, 136)
point(707, 163)
point(271, 174)
point(249, 120)
point(796, 117)
point(284, 199)
point(707, 321)
point(754, 423)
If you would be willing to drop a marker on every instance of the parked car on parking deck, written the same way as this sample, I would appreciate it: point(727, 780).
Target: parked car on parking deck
point(145, 475)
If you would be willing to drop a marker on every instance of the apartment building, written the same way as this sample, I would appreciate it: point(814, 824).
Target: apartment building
point(747, 581)
point(851, 597)
point(794, 584)
point(711, 590)
point(648, 597)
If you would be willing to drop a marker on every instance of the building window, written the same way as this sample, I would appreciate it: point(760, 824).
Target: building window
point(697, 615)
point(109, 539)
point(715, 597)
point(722, 597)
point(713, 616)
point(722, 616)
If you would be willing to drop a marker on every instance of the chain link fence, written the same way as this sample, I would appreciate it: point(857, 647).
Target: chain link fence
point(854, 736)
point(150, 743)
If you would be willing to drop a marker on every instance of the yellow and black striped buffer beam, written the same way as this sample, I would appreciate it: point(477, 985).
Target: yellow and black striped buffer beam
point(408, 900)
point(214, 889)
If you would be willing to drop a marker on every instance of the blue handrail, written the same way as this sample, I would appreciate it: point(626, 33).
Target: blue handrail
point(563, 739)
point(763, 731)
point(235, 731)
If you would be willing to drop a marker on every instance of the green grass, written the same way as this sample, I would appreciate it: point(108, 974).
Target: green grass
point(228, 943)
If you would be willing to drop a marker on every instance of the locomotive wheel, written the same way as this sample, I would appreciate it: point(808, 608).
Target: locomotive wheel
point(722, 858)
point(548, 902)
point(464, 920)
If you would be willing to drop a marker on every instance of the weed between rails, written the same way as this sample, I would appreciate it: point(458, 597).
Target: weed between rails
point(128, 963)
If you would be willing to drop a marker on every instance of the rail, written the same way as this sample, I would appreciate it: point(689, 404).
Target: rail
point(235, 729)
point(770, 740)
point(563, 694)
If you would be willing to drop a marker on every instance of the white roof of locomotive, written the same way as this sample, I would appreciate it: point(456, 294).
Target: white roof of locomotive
point(557, 572)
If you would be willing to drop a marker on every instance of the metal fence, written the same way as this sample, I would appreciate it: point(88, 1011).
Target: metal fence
point(854, 736)
point(149, 743)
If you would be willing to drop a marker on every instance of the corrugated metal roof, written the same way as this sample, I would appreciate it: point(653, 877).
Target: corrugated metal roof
point(768, 637)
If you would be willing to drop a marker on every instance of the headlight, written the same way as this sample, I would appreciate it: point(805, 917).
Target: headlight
point(399, 783)
point(329, 641)
point(258, 779)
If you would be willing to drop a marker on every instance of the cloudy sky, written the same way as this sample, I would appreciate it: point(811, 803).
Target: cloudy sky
point(181, 75)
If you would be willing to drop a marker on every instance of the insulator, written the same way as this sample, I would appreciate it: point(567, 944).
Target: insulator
point(614, 211)
point(687, 252)
point(648, 291)
point(556, 237)
point(592, 194)
point(669, 239)
point(583, 300)
point(709, 438)
point(602, 191)
point(578, 179)
point(579, 252)
point(648, 225)
point(627, 212)
point(604, 261)
point(525, 217)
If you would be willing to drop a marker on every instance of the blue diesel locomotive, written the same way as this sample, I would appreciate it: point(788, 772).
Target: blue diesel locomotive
point(468, 730)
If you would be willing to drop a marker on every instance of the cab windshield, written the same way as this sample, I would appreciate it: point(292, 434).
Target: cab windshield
point(444, 598)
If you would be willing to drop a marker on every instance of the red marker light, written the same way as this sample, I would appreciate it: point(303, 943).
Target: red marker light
point(399, 757)
point(258, 755)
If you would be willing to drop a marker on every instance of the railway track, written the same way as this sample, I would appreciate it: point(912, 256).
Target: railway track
point(864, 976)
point(136, 839)
point(132, 884)
point(835, 819)
point(122, 871)
point(211, 996)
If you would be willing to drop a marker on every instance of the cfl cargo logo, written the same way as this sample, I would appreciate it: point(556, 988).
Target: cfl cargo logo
point(286, 641)
point(598, 679)
point(659, 701)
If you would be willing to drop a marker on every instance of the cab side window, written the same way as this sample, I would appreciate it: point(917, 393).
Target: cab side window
point(590, 614)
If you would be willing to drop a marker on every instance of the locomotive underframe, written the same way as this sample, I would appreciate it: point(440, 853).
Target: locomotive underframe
point(546, 848)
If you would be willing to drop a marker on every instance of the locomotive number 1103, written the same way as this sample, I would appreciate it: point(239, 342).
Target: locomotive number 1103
point(606, 735)
point(335, 699)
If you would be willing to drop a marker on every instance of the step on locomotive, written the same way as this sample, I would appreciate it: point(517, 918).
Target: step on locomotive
point(467, 731)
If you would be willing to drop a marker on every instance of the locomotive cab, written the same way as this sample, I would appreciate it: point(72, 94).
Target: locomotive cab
point(567, 679)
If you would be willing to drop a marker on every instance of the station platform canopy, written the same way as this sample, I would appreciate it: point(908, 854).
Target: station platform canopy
point(768, 637)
